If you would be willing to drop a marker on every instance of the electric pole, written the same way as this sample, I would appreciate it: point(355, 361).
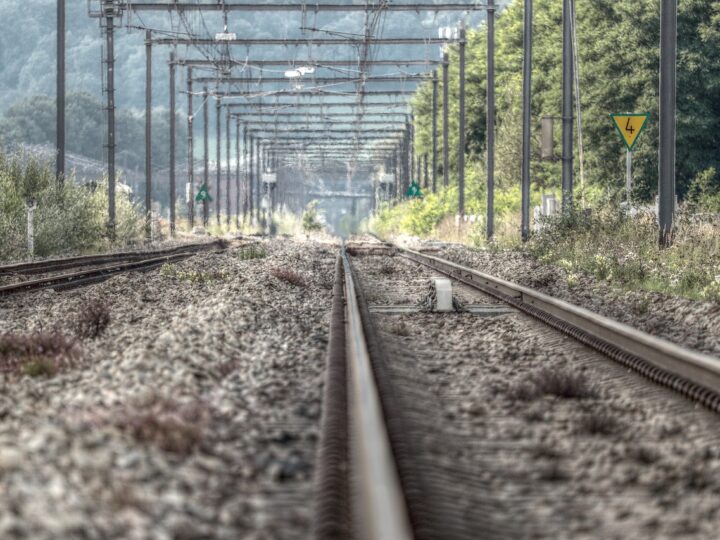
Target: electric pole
point(190, 152)
point(567, 109)
point(461, 133)
point(668, 92)
point(446, 92)
point(172, 145)
point(527, 85)
point(218, 157)
point(434, 130)
point(490, 230)
point(206, 156)
point(109, 13)
point(60, 94)
point(148, 135)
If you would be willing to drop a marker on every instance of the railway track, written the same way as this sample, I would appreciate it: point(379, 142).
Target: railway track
point(378, 474)
point(91, 269)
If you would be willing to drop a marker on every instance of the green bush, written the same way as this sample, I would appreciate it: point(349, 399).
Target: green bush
point(68, 218)
point(311, 219)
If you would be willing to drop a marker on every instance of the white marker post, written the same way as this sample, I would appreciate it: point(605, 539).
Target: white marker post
point(629, 126)
point(628, 178)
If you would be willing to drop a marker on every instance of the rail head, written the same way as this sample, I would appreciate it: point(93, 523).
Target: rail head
point(697, 367)
point(380, 502)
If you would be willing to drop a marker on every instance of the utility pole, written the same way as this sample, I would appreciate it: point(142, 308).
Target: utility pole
point(148, 135)
point(237, 173)
point(60, 94)
point(251, 178)
point(434, 130)
point(411, 150)
point(258, 178)
point(461, 134)
point(206, 156)
point(172, 145)
point(668, 93)
point(567, 109)
point(109, 12)
point(218, 157)
point(190, 151)
point(426, 178)
point(446, 92)
point(490, 231)
point(246, 173)
point(227, 167)
point(527, 85)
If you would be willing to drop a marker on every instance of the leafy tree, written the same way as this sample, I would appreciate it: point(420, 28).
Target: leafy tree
point(618, 45)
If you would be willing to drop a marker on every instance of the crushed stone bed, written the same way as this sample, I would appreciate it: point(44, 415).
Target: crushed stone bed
point(690, 323)
point(629, 459)
point(194, 415)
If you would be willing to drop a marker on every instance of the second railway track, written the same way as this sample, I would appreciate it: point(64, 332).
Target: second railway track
point(497, 425)
point(84, 270)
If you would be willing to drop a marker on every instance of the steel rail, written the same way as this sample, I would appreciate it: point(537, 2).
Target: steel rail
point(381, 507)
point(693, 374)
point(96, 274)
point(52, 265)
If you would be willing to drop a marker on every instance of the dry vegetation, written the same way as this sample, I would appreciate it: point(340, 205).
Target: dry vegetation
point(169, 424)
point(92, 320)
point(38, 354)
point(563, 383)
point(289, 276)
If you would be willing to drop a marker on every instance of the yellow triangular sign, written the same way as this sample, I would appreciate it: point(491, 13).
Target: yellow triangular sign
point(630, 126)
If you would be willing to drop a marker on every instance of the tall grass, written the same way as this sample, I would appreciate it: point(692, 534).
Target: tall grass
point(68, 218)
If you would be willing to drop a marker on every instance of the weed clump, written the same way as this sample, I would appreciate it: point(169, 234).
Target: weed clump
point(171, 425)
point(252, 252)
point(399, 329)
point(36, 355)
point(599, 423)
point(92, 320)
point(563, 383)
point(289, 276)
point(191, 276)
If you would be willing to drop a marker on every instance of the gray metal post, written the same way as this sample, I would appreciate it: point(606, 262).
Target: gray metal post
point(237, 173)
point(567, 109)
point(190, 152)
point(461, 126)
point(172, 144)
point(527, 86)
point(434, 130)
point(411, 149)
point(246, 173)
point(206, 155)
point(60, 93)
point(228, 168)
point(668, 91)
point(218, 157)
point(445, 120)
point(426, 179)
point(110, 67)
point(490, 230)
point(258, 177)
point(251, 178)
point(148, 135)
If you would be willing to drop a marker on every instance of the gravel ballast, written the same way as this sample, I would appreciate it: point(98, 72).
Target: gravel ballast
point(690, 323)
point(194, 414)
point(540, 436)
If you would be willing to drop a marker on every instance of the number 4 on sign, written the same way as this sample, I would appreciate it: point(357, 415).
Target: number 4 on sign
point(630, 126)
